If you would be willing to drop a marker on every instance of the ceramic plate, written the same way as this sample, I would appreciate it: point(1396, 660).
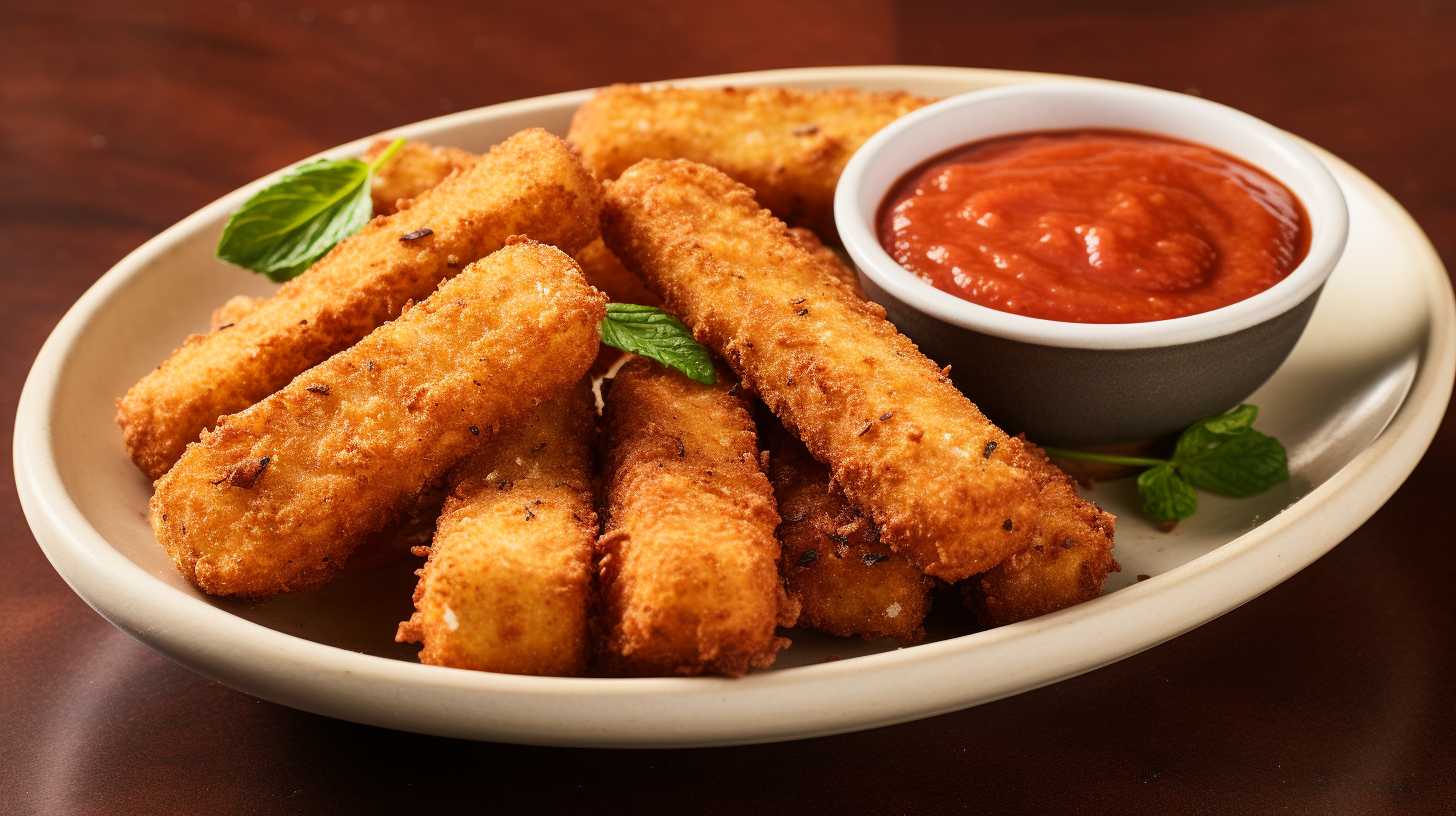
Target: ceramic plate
point(1357, 403)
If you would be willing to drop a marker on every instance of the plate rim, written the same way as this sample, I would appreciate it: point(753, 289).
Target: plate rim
point(193, 631)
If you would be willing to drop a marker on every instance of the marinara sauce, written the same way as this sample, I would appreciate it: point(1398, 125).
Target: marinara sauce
point(1094, 226)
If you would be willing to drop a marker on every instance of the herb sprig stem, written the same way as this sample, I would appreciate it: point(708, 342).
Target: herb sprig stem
point(1106, 458)
point(386, 154)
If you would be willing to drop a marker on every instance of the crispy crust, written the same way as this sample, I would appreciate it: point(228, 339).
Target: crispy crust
point(276, 497)
point(531, 184)
point(788, 145)
point(687, 572)
point(508, 579)
point(1069, 558)
point(828, 260)
point(946, 486)
point(847, 582)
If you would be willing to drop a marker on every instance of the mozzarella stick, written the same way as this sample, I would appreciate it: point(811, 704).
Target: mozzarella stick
point(687, 568)
point(419, 166)
point(1069, 558)
point(1067, 563)
point(847, 582)
point(531, 184)
point(946, 486)
point(414, 170)
point(508, 578)
point(277, 496)
point(788, 145)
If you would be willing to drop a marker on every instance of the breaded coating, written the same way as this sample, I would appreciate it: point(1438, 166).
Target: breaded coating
point(508, 580)
point(687, 570)
point(417, 168)
point(1069, 558)
point(946, 486)
point(788, 145)
point(608, 274)
point(847, 582)
point(828, 259)
point(531, 184)
point(277, 496)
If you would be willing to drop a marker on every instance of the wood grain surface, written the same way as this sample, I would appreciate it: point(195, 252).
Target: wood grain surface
point(1330, 694)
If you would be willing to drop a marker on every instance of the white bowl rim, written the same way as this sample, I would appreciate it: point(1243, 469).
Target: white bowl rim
point(1327, 212)
point(211, 639)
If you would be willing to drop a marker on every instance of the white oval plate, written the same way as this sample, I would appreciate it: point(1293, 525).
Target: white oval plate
point(1357, 404)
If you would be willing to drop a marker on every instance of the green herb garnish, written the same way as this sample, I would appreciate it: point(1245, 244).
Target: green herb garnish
point(657, 335)
point(1221, 454)
point(292, 222)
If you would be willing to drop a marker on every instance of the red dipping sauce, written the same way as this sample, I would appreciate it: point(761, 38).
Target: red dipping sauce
point(1094, 226)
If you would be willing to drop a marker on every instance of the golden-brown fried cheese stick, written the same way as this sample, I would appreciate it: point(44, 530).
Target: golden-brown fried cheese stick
point(508, 579)
point(847, 582)
point(417, 168)
point(946, 486)
point(687, 570)
point(277, 496)
point(1069, 558)
point(788, 145)
point(531, 184)
point(602, 270)
point(1071, 551)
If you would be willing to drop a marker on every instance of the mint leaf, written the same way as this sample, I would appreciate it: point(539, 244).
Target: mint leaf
point(657, 335)
point(288, 225)
point(1225, 455)
point(1238, 420)
point(1242, 465)
point(1206, 434)
point(1166, 496)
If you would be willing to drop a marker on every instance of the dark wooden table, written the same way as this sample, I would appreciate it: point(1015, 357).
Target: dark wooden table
point(1332, 693)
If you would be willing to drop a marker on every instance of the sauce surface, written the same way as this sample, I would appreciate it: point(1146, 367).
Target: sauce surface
point(1094, 226)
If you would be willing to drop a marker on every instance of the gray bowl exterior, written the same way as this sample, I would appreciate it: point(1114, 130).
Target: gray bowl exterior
point(1080, 397)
